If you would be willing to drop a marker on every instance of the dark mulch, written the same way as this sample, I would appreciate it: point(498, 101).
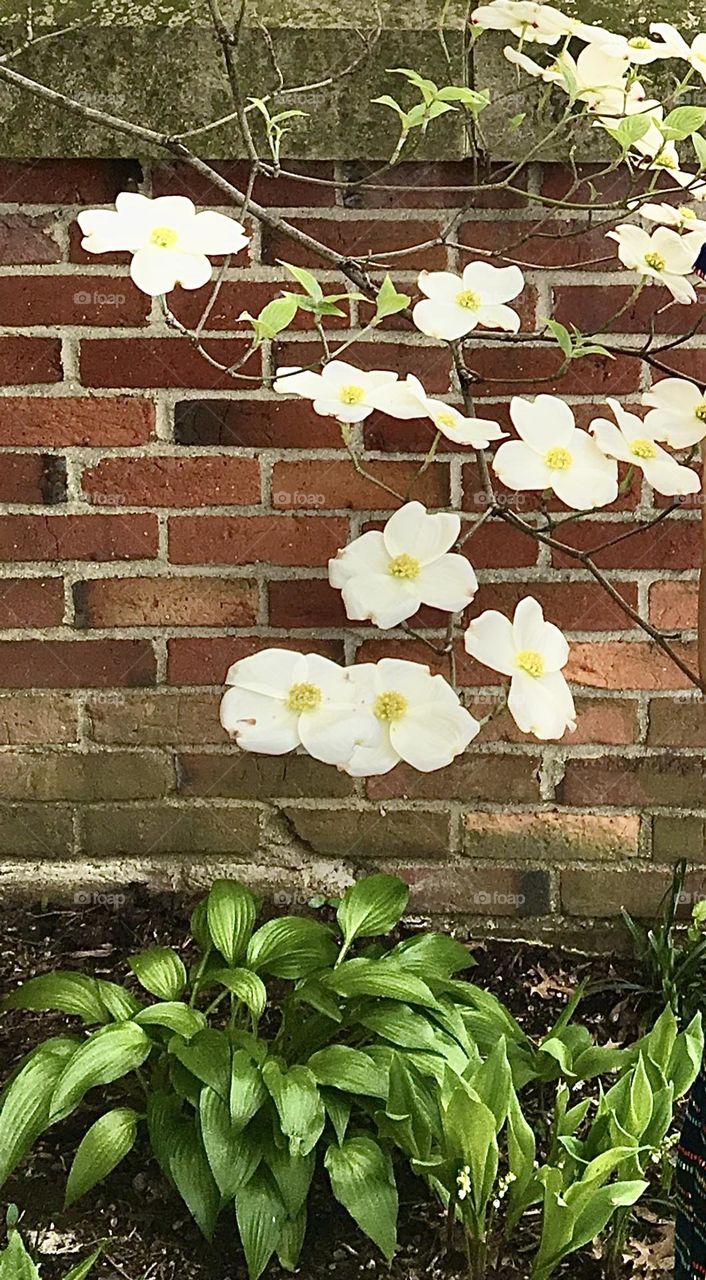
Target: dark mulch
point(151, 1236)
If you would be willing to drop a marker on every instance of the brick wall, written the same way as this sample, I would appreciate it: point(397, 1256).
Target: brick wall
point(158, 523)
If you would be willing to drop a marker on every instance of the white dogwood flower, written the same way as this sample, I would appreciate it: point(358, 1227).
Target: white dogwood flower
point(414, 716)
point(529, 21)
point(170, 242)
point(638, 50)
point(677, 414)
point(407, 399)
point(454, 305)
point(553, 453)
point(677, 47)
point(680, 217)
point(339, 391)
point(279, 700)
point(632, 441)
point(532, 652)
point(594, 77)
point(386, 576)
point(662, 257)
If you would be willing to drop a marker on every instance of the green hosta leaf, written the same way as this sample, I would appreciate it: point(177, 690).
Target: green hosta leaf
point(291, 948)
point(307, 281)
point(83, 1269)
point(72, 993)
point(199, 925)
point(293, 1176)
point(246, 986)
point(372, 906)
point(247, 1090)
point(160, 971)
point(15, 1262)
point(273, 318)
point(686, 1057)
point(106, 1143)
point(25, 1110)
point(364, 977)
point(388, 301)
point(121, 1004)
point(165, 1124)
point(231, 918)
point(338, 1109)
point(174, 1015)
point(432, 955)
point(108, 1055)
point(193, 1179)
point(682, 122)
point(208, 1057)
point(291, 1239)
point(344, 1068)
point(232, 1155)
point(298, 1102)
point(493, 1083)
point(364, 1183)
point(260, 1214)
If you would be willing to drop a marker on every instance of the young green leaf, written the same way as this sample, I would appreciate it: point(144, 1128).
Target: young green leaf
point(105, 1144)
point(298, 1102)
point(174, 1015)
point(388, 301)
point(260, 1214)
point(291, 947)
point(160, 971)
point(15, 1262)
point(364, 977)
point(73, 993)
point(307, 281)
point(363, 1181)
point(345, 1068)
point(83, 1269)
point(274, 317)
point(231, 918)
point(247, 986)
point(682, 122)
point(247, 1090)
point(372, 906)
point(108, 1055)
point(27, 1101)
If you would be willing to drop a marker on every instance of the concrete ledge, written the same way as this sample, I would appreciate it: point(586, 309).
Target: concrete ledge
point(158, 64)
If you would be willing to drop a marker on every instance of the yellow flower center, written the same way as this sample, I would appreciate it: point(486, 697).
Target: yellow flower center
point(700, 412)
point(558, 459)
point(447, 420)
point(655, 260)
point(664, 160)
point(643, 449)
point(164, 238)
point(352, 395)
point(304, 697)
point(390, 706)
point(530, 661)
point(639, 42)
point(468, 300)
point(404, 566)
point(686, 215)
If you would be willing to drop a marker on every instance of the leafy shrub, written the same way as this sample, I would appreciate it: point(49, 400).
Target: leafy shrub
point(278, 1047)
point(16, 1263)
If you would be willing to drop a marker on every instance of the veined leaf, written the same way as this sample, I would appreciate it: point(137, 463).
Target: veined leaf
point(83, 1269)
point(208, 1057)
point(160, 971)
point(25, 1110)
point(299, 1106)
point(432, 955)
point(193, 1179)
point(388, 301)
point(72, 993)
point(364, 1183)
point(231, 918)
point(291, 947)
point(232, 1155)
point(291, 1239)
point(307, 281)
point(105, 1144)
point(174, 1015)
point(109, 1054)
point(260, 1214)
point(15, 1262)
point(344, 1068)
point(372, 906)
point(247, 986)
point(247, 1090)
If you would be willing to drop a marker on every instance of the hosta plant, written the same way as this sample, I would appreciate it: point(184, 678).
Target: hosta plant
point(17, 1264)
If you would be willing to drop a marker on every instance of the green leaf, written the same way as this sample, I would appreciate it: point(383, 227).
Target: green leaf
point(15, 1262)
point(232, 1155)
point(476, 101)
point(105, 1144)
point(686, 1057)
point(364, 977)
point(108, 1055)
point(493, 1083)
point(260, 1214)
point(25, 1110)
point(165, 1124)
point(298, 1102)
point(344, 1068)
point(698, 142)
point(293, 1175)
point(372, 906)
point(208, 1057)
point(388, 301)
point(231, 918)
point(469, 1131)
point(160, 971)
point(630, 130)
point(432, 955)
point(247, 1090)
point(562, 335)
point(291, 947)
point(338, 1109)
point(83, 1269)
point(682, 122)
point(291, 1240)
point(307, 281)
point(174, 1015)
point(72, 993)
point(364, 1183)
point(121, 1004)
point(193, 1179)
point(274, 317)
point(246, 986)
point(199, 925)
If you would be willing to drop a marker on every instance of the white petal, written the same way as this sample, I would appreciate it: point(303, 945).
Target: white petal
point(541, 706)
point(441, 286)
point(610, 440)
point(449, 583)
point(166, 211)
point(490, 640)
point(493, 284)
point(444, 320)
point(400, 400)
point(328, 407)
point(193, 270)
point(678, 432)
point(669, 478)
point(411, 531)
point(258, 722)
point(372, 760)
point(519, 467)
point(429, 737)
point(214, 234)
point(105, 231)
point(271, 671)
point(366, 554)
point(154, 270)
point(676, 394)
point(300, 382)
point(532, 632)
point(331, 734)
point(413, 679)
point(499, 317)
point(382, 598)
point(543, 423)
point(593, 479)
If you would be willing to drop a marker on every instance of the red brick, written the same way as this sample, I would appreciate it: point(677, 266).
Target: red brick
point(66, 181)
point(25, 240)
point(673, 605)
point(242, 775)
point(205, 660)
point(181, 180)
point(305, 540)
point(162, 362)
point(470, 777)
point(75, 664)
point(29, 360)
point(36, 537)
point(174, 482)
point(573, 606)
point(607, 721)
point(550, 837)
point(660, 779)
point(358, 238)
point(465, 890)
point(66, 300)
point(31, 602)
point(67, 420)
point(690, 363)
point(305, 603)
point(621, 664)
point(496, 545)
point(415, 435)
point(431, 364)
point(164, 602)
point(254, 424)
point(329, 485)
point(594, 309)
point(672, 543)
point(32, 477)
point(448, 184)
point(531, 366)
point(638, 891)
point(594, 183)
point(544, 243)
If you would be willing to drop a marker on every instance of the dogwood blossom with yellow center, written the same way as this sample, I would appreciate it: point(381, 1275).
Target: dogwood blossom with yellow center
point(339, 391)
point(638, 50)
point(407, 399)
point(170, 242)
point(413, 716)
point(278, 700)
point(595, 77)
point(386, 576)
point(532, 652)
point(552, 453)
point(632, 441)
point(677, 47)
point(529, 21)
point(680, 217)
point(677, 412)
point(454, 305)
point(662, 257)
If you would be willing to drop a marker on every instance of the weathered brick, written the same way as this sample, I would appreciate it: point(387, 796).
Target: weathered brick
point(67, 420)
point(129, 537)
point(280, 539)
point(206, 660)
point(37, 719)
point(180, 179)
point(677, 723)
point(358, 238)
point(36, 831)
point(548, 836)
point(71, 182)
point(616, 664)
point(663, 779)
point(157, 362)
point(174, 482)
point(68, 300)
point(599, 310)
point(32, 478)
point(164, 602)
point(24, 240)
point(72, 664)
point(477, 891)
point(84, 776)
point(370, 833)
point(672, 542)
point(254, 424)
point(155, 719)
point(674, 605)
point(677, 836)
point(246, 776)
point(639, 891)
point(471, 777)
point(31, 602)
point(29, 360)
point(608, 721)
point(573, 606)
point(333, 485)
point(177, 829)
point(544, 243)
